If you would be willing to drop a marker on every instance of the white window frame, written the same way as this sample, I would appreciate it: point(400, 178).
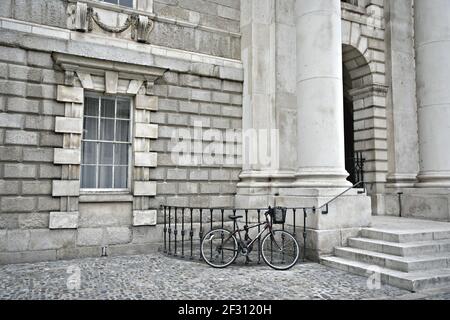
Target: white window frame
point(130, 146)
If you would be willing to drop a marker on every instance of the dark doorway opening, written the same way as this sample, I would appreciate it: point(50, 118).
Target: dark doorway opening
point(349, 140)
point(349, 128)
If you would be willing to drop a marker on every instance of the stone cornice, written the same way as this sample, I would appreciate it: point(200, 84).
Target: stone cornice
point(94, 66)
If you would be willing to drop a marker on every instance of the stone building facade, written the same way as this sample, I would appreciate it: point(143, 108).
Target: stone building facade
point(96, 95)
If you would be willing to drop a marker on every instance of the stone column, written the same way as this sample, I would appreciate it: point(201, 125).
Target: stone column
point(403, 158)
point(320, 123)
point(432, 31)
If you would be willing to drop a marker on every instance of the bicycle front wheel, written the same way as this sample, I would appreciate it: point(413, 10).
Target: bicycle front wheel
point(219, 248)
point(280, 250)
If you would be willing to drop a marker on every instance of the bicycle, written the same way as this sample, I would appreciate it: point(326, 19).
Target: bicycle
point(279, 248)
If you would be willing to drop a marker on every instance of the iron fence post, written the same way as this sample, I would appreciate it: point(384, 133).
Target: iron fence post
point(182, 233)
point(170, 232)
point(200, 234)
point(165, 229)
point(191, 234)
point(305, 216)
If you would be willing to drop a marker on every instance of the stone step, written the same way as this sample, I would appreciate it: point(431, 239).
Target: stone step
point(404, 264)
point(405, 236)
point(407, 249)
point(412, 281)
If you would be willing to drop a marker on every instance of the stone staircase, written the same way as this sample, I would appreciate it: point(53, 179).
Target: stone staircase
point(408, 253)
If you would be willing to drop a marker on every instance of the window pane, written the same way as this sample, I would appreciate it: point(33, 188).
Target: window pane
point(122, 130)
point(111, 1)
point(105, 177)
point(88, 177)
point(89, 152)
point(120, 177)
point(108, 107)
point(127, 3)
point(105, 165)
point(90, 128)
point(121, 154)
point(106, 129)
point(123, 109)
point(105, 153)
point(91, 107)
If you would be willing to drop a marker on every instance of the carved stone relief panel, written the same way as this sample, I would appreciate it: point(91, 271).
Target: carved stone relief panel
point(84, 17)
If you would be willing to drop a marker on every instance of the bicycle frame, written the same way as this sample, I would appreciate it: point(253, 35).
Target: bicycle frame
point(267, 225)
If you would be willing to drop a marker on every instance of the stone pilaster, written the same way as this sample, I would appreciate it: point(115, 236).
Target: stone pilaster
point(69, 157)
point(144, 160)
point(269, 113)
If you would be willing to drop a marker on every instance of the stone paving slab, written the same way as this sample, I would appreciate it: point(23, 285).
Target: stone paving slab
point(156, 276)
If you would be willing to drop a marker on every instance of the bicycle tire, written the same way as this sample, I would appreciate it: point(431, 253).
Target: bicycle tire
point(265, 258)
point(206, 255)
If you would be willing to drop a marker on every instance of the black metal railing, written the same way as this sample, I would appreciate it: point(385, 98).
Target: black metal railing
point(193, 223)
point(355, 167)
point(184, 227)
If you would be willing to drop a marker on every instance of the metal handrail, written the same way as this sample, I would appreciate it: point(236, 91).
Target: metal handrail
point(325, 205)
point(266, 208)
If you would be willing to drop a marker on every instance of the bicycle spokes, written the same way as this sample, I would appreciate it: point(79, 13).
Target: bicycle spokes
point(280, 250)
point(219, 248)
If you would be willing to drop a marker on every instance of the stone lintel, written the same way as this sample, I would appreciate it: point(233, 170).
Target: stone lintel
point(111, 82)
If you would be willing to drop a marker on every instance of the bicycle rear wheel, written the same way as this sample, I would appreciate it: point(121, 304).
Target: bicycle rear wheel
point(219, 248)
point(280, 250)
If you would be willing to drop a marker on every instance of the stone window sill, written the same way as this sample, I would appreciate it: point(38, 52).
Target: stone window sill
point(105, 197)
point(115, 8)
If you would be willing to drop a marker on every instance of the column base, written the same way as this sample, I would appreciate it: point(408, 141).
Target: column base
point(313, 178)
point(424, 203)
point(266, 179)
point(433, 180)
point(401, 180)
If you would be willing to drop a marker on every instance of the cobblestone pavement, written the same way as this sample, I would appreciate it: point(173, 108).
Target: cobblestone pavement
point(155, 276)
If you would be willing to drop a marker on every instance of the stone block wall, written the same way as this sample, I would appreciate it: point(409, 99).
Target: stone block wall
point(218, 14)
point(206, 26)
point(27, 139)
point(38, 221)
point(43, 215)
point(47, 12)
point(216, 105)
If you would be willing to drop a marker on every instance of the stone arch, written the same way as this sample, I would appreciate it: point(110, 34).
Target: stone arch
point(364, 87)
point(357, 67)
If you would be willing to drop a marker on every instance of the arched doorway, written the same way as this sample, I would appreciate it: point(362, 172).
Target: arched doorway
point(349, 127)
point(365, 116)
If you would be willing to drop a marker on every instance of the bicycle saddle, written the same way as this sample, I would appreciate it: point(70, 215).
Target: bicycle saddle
point(235, 217)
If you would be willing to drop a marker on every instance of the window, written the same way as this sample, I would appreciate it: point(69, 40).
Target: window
point(352, 2)
point(125, 3)
point(106, 143)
